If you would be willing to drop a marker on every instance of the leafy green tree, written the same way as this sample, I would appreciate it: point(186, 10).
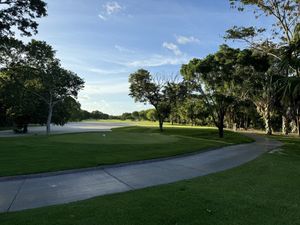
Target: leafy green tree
point(151, 115)
point(259, 73)
point(21, 15)
point(14, 76)
point(11, 52)
point(39, 74)
point(243, 114)
point(97, 115)
point(25, 99)
point(290, 97)
point(212, 78)
point(64, 111)
point(277, 41)
point(194, 111)
point(126, 116)
point(143, 88)
point(255, 79)
point(19, 104)
point(74, 111)
point(83, 115)
point(285, 14)
point(135, 115)
point(142, 115)
point(290, 58)
point(57, 84)
point(53, 83)
point(177, 93)
point(5, 121)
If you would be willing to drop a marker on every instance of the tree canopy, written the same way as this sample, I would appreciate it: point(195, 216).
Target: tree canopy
point(159, 93)
point(22, 15)
point(32, 77)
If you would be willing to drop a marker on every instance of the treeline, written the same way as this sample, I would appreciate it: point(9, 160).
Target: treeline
point(81, 115)
point(148, 115)
point(194, 113)
point(258, 86)
point(232, 88)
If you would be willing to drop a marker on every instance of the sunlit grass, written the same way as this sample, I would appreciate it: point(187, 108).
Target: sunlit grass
point(34, 154)
point(146, 123)
point(264, 191)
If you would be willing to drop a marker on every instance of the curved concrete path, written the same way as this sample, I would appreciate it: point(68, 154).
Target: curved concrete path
point(25, 193)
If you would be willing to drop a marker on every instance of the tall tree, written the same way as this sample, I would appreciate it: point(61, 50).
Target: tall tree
point(40, 74)
point(212, 78)
point(285, 15)
point(259, 73)
point(177, 93)
point(20, 104)
point(144, 88)
point(272, 41)
point(290, 86)
point(22, 15)
point(55, 83)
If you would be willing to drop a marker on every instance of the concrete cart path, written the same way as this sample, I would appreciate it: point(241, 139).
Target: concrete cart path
point(25, 193)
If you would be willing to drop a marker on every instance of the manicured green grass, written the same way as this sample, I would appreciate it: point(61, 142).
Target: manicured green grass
point(262, 192)
point(33, 154)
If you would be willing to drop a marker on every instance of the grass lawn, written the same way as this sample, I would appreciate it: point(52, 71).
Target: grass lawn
point(264, 191)
point(33, 154)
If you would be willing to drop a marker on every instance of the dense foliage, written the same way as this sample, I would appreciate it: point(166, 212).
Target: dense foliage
point(34, 88)
point(256, 87)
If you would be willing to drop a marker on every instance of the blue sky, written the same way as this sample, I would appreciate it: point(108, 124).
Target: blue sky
point(104, 41)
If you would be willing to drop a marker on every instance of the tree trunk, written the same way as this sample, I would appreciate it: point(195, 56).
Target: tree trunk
point(221, 131)
point(161, 124)
point(25, 128)
point(160, 121)
point(298, 121)
point(267, 119)
point(246, 122)
point(221, 125)
point(298, 125)
point(234, 127)
point(268, 126)
point(50, 111)
point(285, 125)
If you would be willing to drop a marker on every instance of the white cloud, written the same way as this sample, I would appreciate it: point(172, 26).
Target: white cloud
point(157, 60)
point(186, 40)
point(102, 17)
point(172, 47)
point(123, 49)
point(110, 8)
point(109, 71)
point(105, 88)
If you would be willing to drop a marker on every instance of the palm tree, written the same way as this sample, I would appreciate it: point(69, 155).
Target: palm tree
point(290, 85)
